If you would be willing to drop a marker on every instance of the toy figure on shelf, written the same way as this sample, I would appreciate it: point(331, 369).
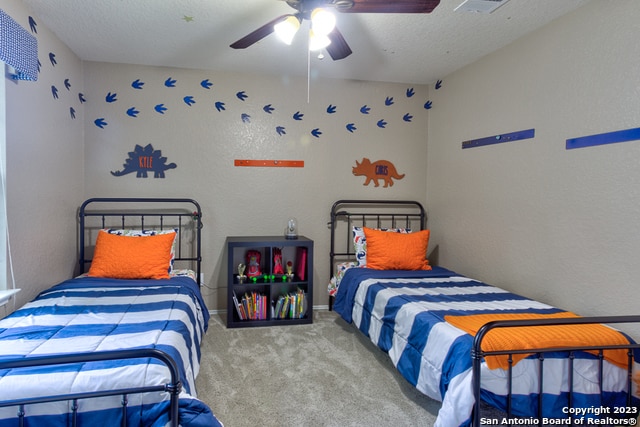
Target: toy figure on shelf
point(289, 270)
point(277, 261)
point(253, 263)
point(241, 276)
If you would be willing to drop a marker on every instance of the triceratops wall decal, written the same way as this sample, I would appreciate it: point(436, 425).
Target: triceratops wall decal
point(381, 169)
point(145, 159)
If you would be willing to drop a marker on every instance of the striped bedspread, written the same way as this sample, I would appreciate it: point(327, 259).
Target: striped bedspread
point(94, 314)
point(403, 313)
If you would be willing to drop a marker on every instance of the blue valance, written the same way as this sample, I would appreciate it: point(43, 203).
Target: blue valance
point(18, 48)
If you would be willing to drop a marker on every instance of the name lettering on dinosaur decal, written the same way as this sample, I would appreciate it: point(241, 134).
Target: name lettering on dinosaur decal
point(146, 162)
point(381, 169)
point(145, 159)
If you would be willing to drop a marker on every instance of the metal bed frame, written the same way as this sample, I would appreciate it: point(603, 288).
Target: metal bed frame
point(160, 217)
point(157, 213)
point(373, 214)
point(173, 388)
point(478, 355)
point(411, 214)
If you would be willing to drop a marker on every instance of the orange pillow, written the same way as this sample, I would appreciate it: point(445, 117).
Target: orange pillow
point(397, 251)
point(130, 257)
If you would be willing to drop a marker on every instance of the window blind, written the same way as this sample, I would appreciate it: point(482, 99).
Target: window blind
point(18, 48)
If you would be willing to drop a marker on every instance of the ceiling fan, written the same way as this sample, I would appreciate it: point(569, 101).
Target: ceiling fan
point(336, 45)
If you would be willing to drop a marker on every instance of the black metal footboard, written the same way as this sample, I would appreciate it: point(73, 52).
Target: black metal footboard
point(173, 387)
point(478, 355)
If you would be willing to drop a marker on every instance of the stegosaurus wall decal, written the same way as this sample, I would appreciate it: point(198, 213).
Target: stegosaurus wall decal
point(145, 159)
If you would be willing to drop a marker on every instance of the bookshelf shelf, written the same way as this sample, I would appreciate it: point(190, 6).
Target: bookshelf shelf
point(268, 296)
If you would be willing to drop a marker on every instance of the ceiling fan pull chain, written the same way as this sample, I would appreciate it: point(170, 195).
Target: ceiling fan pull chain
point(308, 74)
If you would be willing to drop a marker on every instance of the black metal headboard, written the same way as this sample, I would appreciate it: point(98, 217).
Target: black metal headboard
point(184, 215)
point(371, 213)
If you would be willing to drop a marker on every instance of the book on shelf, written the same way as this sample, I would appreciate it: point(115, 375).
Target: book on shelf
point(291, 306)
point(252, 306)
point(301, 261)
point(239, 308)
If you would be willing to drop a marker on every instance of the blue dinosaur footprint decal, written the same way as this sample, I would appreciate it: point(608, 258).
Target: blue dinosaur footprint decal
point(101, 123)
point(137, 84)
point(220, 106)
point(438, 84)
point(33, 25)
point(52, 58)
point(428, 105)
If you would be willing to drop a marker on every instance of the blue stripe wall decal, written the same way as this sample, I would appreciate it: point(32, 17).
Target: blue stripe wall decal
point(604, 138)
point(497, 139)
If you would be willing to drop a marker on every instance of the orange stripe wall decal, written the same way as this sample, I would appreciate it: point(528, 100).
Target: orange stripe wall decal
point(270, 163)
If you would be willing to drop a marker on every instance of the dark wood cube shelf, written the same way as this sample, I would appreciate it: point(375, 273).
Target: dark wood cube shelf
point(269, 298)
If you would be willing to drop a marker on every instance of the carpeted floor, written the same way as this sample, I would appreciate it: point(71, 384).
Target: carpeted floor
point(323, 374)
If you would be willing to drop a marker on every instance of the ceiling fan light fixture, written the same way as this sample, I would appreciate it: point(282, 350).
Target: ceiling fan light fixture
point(322, 21)
point(318, 41)
point(287, 29)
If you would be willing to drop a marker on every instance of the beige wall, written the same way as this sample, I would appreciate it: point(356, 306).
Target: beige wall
point(204, 143)
point(554, 224)
point(45, 166)
point(557, 225)
point(54, 161)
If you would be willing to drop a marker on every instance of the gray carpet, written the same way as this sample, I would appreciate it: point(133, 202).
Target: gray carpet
point(323, 374)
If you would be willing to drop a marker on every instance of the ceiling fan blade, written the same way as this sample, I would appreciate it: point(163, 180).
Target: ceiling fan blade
point(259, 34)
point(338, 49)
point(388, 6)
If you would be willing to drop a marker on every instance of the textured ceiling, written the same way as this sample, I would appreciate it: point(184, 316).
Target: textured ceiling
point(404, 48)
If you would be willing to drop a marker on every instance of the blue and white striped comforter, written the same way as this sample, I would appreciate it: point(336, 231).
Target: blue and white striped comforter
point(94, 314)
point(402, 312)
